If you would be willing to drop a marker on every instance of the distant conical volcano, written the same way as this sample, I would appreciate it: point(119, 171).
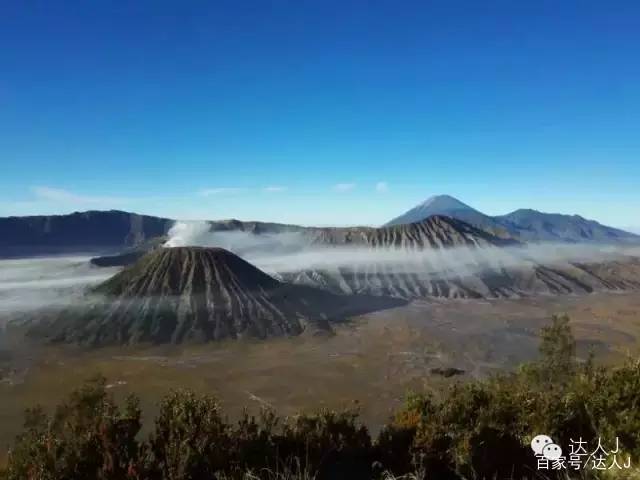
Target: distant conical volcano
point(451, 207)
point(197, 294)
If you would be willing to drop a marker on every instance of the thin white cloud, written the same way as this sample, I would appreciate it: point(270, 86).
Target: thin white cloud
point(60, 195)
point(344, 187)
point(207, 192)
point(274, 188)
point(382, 187)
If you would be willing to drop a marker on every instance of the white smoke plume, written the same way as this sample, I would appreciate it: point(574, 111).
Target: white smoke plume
point(198, 234)
point(189, 234)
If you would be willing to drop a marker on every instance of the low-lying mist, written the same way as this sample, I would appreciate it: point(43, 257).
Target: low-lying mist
point(28, 285)
point(280, 253)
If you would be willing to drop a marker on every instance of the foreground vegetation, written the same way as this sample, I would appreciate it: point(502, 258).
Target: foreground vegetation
point(474, 430)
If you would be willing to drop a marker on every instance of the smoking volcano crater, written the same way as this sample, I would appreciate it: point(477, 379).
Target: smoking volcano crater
point(197, 294)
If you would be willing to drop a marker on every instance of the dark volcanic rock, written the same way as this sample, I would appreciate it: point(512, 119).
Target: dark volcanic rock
point(447, 372)
point(118, 260)
point(199, 294)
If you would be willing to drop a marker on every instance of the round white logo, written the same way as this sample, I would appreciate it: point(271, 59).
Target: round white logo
point(539, 442)
point(552, 451)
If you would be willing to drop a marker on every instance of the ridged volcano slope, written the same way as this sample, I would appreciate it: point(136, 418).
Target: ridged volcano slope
point(199, 294)
point(449, 258)
point(437, 231)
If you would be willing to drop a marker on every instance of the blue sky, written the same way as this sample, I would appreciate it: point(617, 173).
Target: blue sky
point(320, 112)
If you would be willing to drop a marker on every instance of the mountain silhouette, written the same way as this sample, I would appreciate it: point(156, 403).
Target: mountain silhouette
point(525, 225)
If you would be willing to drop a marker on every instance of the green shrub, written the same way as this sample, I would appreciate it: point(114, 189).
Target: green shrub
point(190, 439)
point(89, 436)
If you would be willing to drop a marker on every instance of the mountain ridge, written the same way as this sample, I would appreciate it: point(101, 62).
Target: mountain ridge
point(434, 231)
point(92, 230)
point(525, 224)
point(112, 231)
